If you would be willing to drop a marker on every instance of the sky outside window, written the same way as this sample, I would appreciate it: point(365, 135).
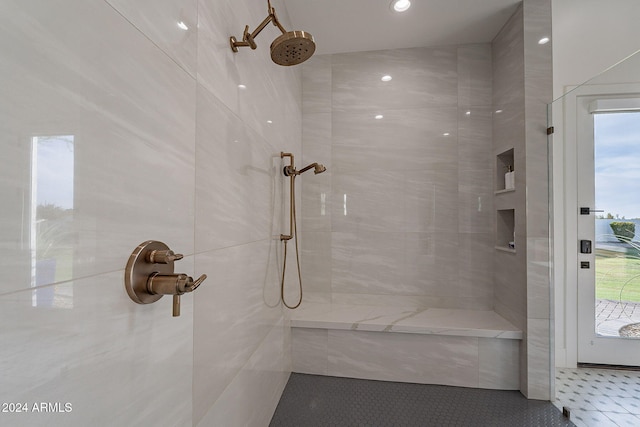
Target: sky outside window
point(617, 164)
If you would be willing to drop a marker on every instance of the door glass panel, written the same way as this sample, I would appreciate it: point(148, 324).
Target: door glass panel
point(617, 237)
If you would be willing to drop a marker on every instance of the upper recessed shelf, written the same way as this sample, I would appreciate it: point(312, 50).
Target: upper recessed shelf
point(504, 164)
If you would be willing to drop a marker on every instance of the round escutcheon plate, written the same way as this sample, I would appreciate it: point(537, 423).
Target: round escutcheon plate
point(139, 269)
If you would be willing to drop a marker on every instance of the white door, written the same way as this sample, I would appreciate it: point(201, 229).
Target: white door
point(608, 143)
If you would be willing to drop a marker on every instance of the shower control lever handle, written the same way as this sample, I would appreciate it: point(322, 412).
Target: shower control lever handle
point(192, 286)
point(173, 284)
point(163, 257)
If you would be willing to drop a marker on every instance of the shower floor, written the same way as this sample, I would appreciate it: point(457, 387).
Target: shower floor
point(314, 400)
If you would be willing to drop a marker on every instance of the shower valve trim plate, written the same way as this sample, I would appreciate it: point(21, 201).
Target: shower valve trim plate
point(149, 275)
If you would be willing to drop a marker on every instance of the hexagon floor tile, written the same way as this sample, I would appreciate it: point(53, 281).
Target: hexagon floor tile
point(313, 400)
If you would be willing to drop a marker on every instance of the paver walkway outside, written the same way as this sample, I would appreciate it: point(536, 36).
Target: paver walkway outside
point(613, 315)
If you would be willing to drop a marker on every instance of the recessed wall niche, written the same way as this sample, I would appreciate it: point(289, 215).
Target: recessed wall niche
point(505, 226)
point(504, 165)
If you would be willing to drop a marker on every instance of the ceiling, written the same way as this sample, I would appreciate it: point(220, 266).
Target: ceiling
point(358, 25)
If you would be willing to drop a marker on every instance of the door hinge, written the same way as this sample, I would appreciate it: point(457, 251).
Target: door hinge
point(550, 130)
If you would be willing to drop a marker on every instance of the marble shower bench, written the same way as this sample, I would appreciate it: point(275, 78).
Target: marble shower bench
point(464, 348)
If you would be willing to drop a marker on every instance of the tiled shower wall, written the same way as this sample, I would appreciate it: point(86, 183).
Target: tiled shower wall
point(404, 213)
point(141, 132)
point(522, 88)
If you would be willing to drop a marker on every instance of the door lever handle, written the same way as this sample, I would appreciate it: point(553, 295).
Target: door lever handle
point(587, 211)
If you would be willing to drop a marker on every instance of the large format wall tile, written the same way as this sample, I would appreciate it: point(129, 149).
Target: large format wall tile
point(251, 397)
point(171, 24)
point(92, 347)
point(538, 90)
point(475, 201)
point(421, 77)
point(316, 190)
point(309, 351)
point(119, 87)
point(475, 139)
point(392, 357)
point(249, 111)
point(316, 262)
point(117, 114)
point(499, 363)
point(316, 91)
point(235, 313)
point(404, 139)
point(461, 361)
point(236, 179)
point(508, 62)
point(407, 190)
point(475, 67)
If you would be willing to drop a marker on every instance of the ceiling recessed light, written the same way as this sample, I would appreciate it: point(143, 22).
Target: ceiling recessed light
point(498, 111)
point(269, 121)
point(400, 5)
point(544, 40)
point(446, 134)
point(379, 116)
point(242, 87)
point(386, 78)
point(183, 26)
point(468, 113)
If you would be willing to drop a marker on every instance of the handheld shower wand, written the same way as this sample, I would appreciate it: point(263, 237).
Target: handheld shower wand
point(291, 172)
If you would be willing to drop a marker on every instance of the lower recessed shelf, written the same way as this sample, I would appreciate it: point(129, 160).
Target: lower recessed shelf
point(506, 190)
point(505, 230)
point(505, 249)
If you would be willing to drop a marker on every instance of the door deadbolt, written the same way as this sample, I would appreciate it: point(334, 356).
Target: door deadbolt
point(149, 275)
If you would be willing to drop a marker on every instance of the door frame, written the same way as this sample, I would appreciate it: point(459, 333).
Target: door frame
point(566, 211)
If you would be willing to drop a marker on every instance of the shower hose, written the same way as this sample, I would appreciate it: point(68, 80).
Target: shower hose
point(292, 205)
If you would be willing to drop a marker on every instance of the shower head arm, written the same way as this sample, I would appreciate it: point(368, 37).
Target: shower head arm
point(248, 38)
point(274, 18)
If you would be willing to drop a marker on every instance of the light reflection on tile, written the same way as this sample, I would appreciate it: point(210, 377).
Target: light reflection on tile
point(171, 24)
point(58, 88)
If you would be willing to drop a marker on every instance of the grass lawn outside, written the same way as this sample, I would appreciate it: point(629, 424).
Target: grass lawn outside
point(617, 276)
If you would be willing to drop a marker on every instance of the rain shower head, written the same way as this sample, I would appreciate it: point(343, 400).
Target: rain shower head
point(290, 48)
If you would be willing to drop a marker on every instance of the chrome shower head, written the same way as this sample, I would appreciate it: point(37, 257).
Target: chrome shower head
point(290, 48)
